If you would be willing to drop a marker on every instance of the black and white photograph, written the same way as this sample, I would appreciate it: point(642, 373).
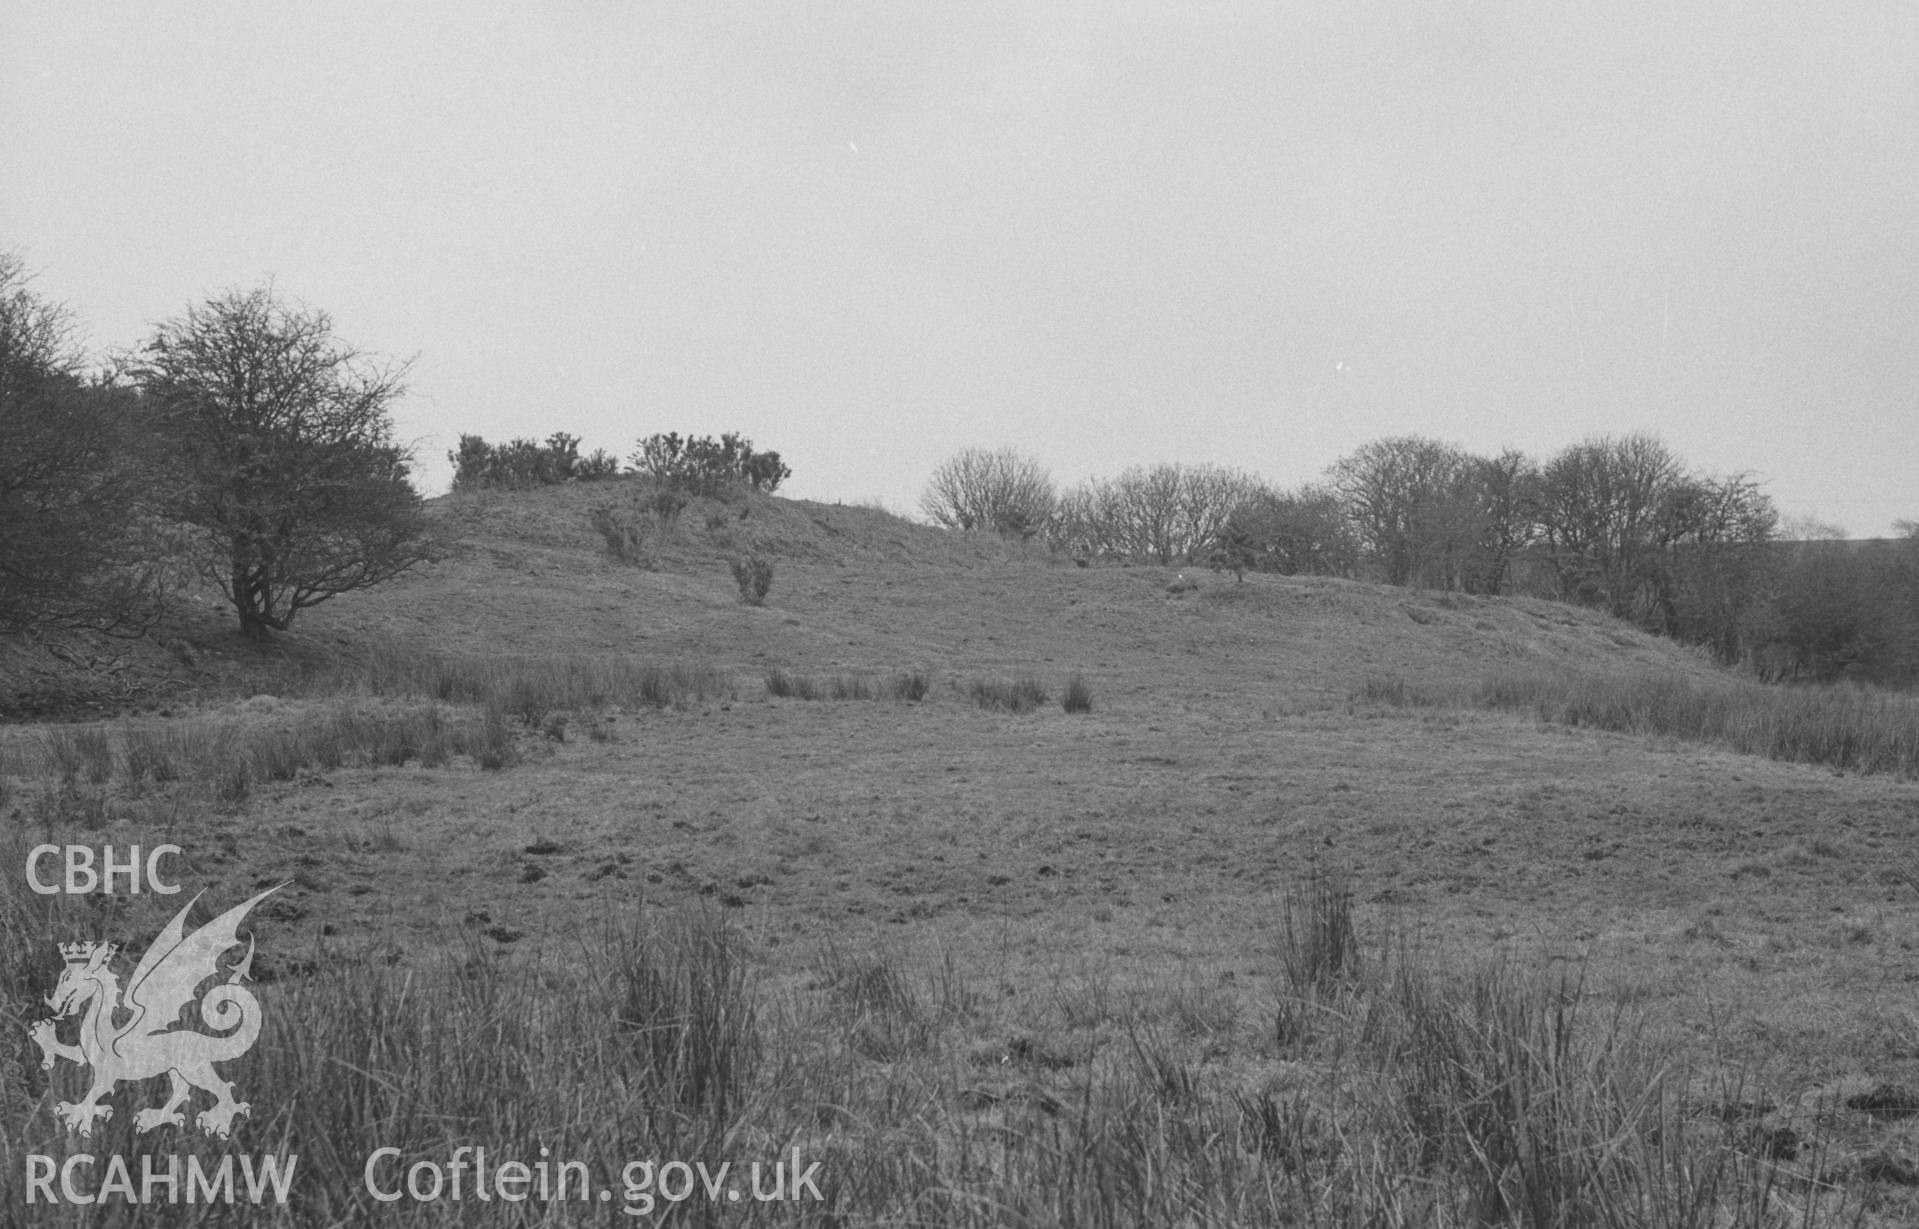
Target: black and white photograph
point(1052, 615)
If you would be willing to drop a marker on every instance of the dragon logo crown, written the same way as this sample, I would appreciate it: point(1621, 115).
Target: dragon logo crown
point(82, 952)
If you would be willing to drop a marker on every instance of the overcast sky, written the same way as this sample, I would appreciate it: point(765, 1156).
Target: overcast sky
point(870, 234)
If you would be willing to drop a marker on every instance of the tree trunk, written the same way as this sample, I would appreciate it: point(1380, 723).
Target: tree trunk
point(253, 624)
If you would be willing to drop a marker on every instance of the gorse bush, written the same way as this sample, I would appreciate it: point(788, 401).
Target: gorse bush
point(702, 465)
point(634, 535)
point(625, 538)
point(1078, 697)
point(754, 576)
point(596, 466)
point(522, 463)
point(664, 504)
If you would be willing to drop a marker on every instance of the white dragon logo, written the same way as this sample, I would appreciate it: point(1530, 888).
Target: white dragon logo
point(145, 1043)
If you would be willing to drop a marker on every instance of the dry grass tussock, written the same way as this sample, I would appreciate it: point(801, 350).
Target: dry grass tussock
point(128, 769)
point(1406, 1091)
point(911, 685)
point(527, 686)
point(1851, 728)
point(1009, 695)
point(391, 708)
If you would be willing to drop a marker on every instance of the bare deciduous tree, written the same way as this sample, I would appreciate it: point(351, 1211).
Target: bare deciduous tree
point(1710, 574)
point(1162, 514)
point(1303, 531)
point(1001, 491)
point(1598, 507)
point(283, 454)
point(1410, 501)
point(1501, 487)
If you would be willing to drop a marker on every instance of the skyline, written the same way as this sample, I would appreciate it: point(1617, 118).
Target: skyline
point(869, 235)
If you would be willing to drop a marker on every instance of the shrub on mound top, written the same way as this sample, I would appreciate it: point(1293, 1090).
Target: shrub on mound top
point(521, 463)
point(702, 465)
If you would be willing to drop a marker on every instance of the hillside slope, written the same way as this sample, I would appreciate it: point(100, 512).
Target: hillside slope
point(855, 588)
point(1068, 881)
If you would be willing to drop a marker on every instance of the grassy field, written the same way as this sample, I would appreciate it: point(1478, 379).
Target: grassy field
point(1008, 892)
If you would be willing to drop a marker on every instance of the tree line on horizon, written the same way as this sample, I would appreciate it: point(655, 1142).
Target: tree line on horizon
point(244, 443)
point(1617, 523)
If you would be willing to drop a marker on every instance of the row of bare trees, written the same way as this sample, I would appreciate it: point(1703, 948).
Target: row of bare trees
point(1426, 513)
point(1616, 522)
point(1410, 510)
point(1159, 513)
